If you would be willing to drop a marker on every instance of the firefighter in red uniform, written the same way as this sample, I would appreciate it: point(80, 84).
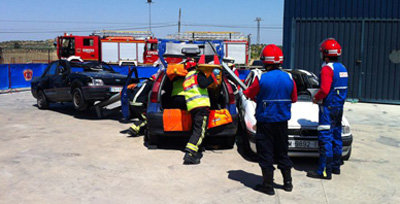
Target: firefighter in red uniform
point(274, 93)
point(330, 97)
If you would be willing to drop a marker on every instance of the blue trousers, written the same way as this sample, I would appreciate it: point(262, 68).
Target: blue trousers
point(330, 138)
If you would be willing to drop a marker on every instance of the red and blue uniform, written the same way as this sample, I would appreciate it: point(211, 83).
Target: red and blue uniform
point(274, 93)
point(333, 93)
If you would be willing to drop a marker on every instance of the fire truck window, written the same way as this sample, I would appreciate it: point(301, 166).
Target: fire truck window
point(65, 42)
point(87, 42)
point(153, 47)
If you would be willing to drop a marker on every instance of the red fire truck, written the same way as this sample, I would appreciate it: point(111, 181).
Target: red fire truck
point(109, 46)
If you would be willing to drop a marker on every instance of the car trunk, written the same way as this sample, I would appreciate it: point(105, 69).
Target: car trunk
point(219, 99)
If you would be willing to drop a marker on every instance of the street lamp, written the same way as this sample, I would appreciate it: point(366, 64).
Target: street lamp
point(149, 2)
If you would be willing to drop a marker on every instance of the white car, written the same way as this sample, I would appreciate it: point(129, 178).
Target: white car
point(302, 127)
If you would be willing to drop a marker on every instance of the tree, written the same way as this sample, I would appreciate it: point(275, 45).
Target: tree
point(17, 45)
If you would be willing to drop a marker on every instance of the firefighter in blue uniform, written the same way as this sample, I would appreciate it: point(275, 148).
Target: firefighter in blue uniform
point(274, 93)
point(331, 98)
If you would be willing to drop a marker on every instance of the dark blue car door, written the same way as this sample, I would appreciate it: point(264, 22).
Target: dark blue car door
point(59, 82)
point(46, 82)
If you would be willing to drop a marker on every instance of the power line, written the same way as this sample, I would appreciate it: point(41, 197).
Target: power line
point(80, 31)
point(77, 22)
point(232, 26)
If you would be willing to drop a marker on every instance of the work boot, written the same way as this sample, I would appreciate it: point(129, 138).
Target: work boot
point(132, 132)
point(314, 174)
point(268, 181)
point(192, 158)
point(287, 180)
point(336, 171)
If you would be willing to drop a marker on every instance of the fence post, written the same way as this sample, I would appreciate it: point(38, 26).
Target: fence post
point(9, 76)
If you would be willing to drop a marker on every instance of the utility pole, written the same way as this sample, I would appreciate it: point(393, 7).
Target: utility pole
point(149, 2)
point(179, 21)
point(258, 19)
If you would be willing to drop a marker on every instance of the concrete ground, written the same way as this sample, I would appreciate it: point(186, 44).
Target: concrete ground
point(58, 155)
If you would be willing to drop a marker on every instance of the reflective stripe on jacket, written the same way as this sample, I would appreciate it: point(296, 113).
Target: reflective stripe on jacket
point(274, 98)
point(338, 92)
point(194, 95)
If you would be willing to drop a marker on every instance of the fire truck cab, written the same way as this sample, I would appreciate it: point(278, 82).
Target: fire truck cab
point(83, 47)
point(150, 54)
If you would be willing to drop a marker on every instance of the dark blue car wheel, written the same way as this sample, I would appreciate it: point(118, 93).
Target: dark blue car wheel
point(42, 102)
point(78, 100)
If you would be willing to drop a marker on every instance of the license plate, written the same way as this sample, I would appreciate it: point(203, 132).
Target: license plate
point(303, 144)
point(115, 89)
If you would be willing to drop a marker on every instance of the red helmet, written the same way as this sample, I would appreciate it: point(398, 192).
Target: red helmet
point(272, 54)
point(330, 48)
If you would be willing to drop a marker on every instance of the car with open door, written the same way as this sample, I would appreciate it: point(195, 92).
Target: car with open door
point(82, 83)
point(302, 127)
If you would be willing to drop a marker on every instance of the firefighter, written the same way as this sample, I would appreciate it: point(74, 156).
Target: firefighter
point(198, 103)
point(177, 92)
point(138, 104)
point(330, 97)
point(274, 93)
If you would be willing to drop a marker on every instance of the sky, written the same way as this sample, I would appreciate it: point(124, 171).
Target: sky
point(46, 19)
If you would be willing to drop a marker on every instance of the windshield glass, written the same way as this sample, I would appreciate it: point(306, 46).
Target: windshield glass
point(96, 67)
point(307, 84)
point(90, 67)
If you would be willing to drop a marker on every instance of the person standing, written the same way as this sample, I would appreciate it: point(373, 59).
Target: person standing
point(330, 97)
point(274, 93)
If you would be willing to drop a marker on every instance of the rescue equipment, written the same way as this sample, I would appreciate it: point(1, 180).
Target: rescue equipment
point(181, 120)
point(174, 70)
point(218, 118)
point(176, 120)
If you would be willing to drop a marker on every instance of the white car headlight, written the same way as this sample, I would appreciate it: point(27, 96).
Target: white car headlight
point(345, 130)
point(96, 82)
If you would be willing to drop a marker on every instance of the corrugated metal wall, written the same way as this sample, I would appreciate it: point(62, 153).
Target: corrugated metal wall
point(369, 33)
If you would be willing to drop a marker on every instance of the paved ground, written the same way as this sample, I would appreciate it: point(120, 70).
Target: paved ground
point(59, 156)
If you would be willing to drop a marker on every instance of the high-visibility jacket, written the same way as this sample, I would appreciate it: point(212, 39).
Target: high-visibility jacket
point(194, 95)
point(177, 87)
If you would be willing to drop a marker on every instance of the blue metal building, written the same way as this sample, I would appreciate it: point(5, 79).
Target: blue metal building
point(369, 32)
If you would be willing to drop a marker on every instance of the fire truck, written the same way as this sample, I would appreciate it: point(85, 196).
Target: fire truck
point(109, 46)
point(236, 44)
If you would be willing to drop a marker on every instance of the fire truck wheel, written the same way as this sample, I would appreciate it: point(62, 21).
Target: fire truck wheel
point(42, 102)
point(78, 100)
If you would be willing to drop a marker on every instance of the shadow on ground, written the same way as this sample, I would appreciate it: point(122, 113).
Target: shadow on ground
point(249, 180)
point(90, 114)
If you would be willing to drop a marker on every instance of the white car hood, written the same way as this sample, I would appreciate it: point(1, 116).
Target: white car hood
point(304, 115)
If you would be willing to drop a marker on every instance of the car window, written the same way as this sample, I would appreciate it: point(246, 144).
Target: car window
point(257, 63)
point(313, 81)
point(52, 69)
point(76, 69)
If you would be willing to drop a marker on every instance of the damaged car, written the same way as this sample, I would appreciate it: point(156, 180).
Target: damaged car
point(82, 83)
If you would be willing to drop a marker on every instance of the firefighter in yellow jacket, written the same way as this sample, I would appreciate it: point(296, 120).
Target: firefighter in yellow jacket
point(198, 103)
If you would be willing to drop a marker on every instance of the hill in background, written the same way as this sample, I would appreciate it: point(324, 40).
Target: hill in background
point(29, 44)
